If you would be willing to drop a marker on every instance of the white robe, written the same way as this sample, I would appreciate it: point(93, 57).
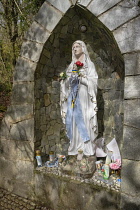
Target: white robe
point(87, 94)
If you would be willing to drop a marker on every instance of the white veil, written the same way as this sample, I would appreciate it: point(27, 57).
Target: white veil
point(91, 80)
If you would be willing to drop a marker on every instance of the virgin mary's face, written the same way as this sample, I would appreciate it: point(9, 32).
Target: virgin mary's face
point(77, 49)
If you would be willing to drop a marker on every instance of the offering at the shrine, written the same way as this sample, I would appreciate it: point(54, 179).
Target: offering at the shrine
point(38, 158)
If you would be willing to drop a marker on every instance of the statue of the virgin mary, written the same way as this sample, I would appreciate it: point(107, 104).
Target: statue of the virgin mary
point(78, 101)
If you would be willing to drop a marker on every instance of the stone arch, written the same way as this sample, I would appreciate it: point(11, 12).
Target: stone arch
point(17, 130)
point(55, 56)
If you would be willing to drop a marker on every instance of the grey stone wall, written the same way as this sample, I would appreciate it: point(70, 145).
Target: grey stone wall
point(21, 130)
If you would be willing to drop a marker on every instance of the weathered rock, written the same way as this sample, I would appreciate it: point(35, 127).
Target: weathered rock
point(131, 143)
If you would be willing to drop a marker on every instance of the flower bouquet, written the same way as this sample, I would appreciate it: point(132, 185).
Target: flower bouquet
point(76, 67)
point(116, 166)
point(79, 64)
point(62, 75)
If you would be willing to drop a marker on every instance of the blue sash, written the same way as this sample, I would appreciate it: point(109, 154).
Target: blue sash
point(74, 111)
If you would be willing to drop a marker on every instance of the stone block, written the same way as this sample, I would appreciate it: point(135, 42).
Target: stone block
point(4, 129)
point(63, 6)
point(98, 7)
point(127, 36)
point(130, 177)
point(47, 99)
point(23, 130)
point(48, 16)
point(37, 33)
point(55, 84)
point(121, 13)
point(50, 131)
point(132, 113)
point(83, 2)
point(131, 143)
point(132, 87)
point(53, 115)
point(16, 113)
point(132, 64)
point(31, 50)
point(106, 84)
point(17, 150)
point(55, 98)
point(24, 70)
point(23, 93)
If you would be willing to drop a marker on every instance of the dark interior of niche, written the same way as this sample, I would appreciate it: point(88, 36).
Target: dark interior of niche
point(55, 58)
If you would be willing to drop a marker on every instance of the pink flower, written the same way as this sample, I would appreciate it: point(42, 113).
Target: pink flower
point(114, 166)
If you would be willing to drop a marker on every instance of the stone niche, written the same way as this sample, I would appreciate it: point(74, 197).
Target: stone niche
point(55, 57)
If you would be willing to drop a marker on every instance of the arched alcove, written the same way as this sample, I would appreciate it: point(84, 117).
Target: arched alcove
point(28, 123)
point(55, 57)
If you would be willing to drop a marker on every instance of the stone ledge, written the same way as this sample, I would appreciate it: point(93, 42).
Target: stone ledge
point(61, 191)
